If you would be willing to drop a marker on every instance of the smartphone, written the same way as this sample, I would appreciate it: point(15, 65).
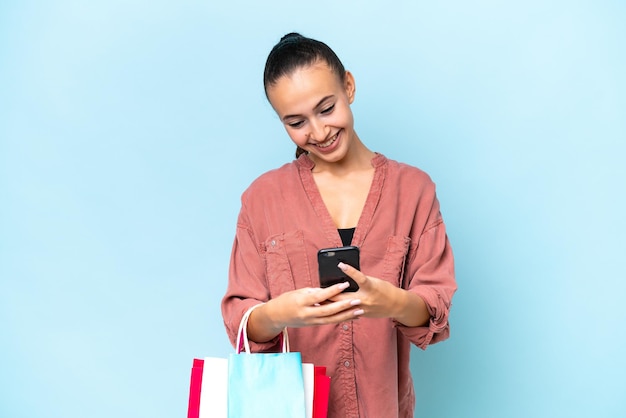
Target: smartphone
point(330, 274)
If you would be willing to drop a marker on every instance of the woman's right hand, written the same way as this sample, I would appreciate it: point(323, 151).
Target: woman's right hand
point(301, 308)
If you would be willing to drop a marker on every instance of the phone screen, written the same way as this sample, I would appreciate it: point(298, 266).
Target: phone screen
point(330, 274)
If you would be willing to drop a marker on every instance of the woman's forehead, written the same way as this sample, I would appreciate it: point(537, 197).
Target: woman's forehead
point(305, 83)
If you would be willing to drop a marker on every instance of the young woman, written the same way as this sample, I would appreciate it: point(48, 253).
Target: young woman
point(338, 192)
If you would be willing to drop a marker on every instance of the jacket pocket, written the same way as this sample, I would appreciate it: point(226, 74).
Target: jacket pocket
point(286, 264)
point(395, 259)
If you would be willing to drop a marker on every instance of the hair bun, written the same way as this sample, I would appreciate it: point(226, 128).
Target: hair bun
point(291, 36)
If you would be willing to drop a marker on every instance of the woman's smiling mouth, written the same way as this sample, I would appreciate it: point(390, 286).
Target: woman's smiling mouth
point(328, 142)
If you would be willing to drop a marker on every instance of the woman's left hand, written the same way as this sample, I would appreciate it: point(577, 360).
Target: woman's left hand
point(381, 299)
point(378, 297)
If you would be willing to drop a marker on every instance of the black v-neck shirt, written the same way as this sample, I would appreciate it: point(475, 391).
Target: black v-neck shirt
point(346, 235)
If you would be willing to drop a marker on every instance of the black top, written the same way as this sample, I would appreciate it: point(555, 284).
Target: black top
point(346, 235)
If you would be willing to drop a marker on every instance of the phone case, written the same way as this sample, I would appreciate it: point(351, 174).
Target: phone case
point(330, 274)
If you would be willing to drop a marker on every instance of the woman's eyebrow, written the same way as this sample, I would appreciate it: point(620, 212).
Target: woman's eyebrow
point(316, 106)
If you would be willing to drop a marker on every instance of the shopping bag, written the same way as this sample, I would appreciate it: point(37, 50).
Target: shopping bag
point(321, 393)
point(316, 390)
point(212, 401)
point(265, 385)
point(208, 390)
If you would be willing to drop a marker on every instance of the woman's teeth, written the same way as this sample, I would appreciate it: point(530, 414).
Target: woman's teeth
point(329, 142)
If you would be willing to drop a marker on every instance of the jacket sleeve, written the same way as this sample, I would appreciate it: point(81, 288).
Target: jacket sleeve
point(429, 273)
point(247, 283)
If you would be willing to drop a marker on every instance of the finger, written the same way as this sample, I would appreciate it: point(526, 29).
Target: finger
point(327, 293)
point(354, 274)
point(338, 311)
point(341, 317)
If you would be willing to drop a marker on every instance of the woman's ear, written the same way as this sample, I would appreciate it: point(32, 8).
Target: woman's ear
point(350, 86)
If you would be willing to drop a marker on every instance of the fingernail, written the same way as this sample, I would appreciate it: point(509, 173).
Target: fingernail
point(359, 312)
point(342, 266)
point(355, 302)
point(344, 285)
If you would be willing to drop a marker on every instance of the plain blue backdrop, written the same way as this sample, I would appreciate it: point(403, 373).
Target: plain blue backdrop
point(129, 129)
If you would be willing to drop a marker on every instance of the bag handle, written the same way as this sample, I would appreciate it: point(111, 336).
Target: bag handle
point(242, 334)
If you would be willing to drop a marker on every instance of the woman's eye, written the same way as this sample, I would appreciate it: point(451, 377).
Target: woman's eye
point(296, 124)
point(328, 109)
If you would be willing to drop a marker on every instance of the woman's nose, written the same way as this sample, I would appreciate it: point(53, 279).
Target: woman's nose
point(318, 132)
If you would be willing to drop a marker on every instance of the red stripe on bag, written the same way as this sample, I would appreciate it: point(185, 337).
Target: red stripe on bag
point(195, 387)
point(321, 392)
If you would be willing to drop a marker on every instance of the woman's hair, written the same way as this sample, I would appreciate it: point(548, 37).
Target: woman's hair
point(295, 51)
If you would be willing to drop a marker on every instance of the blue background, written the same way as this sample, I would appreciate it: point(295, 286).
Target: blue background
point(129, 129)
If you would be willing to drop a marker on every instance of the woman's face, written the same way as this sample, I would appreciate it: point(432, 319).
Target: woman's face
point(314, 106)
